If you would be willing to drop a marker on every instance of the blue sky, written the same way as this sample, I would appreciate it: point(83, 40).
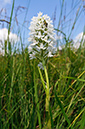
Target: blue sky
point(32, 7)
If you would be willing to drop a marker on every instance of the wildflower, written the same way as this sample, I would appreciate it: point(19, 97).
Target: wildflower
point(41, 37)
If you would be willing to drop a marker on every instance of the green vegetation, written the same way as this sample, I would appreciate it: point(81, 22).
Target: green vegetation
point(23, 95)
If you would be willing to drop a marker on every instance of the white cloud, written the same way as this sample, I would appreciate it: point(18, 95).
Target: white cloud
point(7, 1)
point(58, 37)
point(4, 3)
point(13, 38)
point(4, 35)
point(78, 39)
point(60, 48)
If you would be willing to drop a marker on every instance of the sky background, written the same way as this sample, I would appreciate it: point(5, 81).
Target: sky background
point(24, 10)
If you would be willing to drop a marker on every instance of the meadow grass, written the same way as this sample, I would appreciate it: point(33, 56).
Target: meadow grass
point(23, 89)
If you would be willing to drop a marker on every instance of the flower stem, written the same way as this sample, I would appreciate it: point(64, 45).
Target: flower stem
point(47, 100)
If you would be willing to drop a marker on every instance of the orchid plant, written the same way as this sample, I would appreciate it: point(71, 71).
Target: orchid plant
point(41, 38)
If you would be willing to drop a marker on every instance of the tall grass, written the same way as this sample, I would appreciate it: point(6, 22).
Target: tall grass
point(25, 103)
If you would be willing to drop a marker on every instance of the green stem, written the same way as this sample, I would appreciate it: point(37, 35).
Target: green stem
point(36, 98)
point(47, 100)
